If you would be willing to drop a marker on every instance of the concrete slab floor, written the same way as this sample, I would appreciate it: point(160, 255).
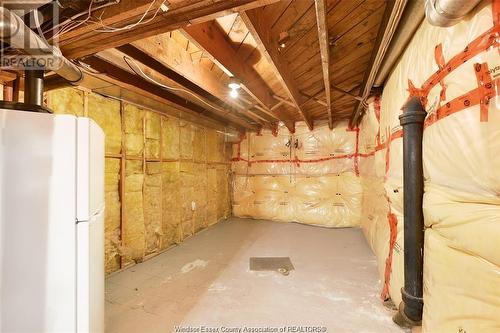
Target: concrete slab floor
point(206, 281)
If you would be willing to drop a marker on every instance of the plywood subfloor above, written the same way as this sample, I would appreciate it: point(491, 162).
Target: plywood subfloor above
point(206, 281)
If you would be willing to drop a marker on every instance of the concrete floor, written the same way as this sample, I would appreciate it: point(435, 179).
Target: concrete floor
point(206, 281)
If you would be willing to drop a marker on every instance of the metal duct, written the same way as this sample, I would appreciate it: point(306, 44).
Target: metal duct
point(445, 13)
point(33, 87)
point(19, 36)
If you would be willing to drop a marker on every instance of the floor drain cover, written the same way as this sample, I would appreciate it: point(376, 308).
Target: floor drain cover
point(279, 264)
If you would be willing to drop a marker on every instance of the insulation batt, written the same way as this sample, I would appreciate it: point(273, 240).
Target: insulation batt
point(169, 164)
point(461, 157)
point(307, 177)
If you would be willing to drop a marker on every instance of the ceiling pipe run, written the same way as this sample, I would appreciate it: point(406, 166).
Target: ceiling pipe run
point(413, 16)
point(445, 13)
point(14, 32)
point(390, 22)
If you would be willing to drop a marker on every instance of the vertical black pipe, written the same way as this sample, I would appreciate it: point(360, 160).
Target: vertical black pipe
point(412, 120)
point(33, 87)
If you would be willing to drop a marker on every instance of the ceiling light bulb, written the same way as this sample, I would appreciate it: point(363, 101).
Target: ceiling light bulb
point(234, 83)
point(234, 93)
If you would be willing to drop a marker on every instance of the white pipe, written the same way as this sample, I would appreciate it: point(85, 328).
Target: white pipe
point(445, 13)
point(14, 32)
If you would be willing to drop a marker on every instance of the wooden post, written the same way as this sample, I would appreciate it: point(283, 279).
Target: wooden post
point(161, 182)
point(122, 178)
point(8, 91)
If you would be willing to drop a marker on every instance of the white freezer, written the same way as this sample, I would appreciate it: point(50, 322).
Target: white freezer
point(51, 223)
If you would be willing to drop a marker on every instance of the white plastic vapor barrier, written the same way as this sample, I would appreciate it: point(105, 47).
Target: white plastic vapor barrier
point(455, 73)
point(308, 176)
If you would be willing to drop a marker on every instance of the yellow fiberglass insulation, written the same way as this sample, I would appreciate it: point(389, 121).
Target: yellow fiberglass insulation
point(152, 206)
point(170, 138)
point(171, 208)
point(106, 113)
point(134, 233)
point(170, 181)
point(113, 214)
point(67, 101)
point(152, 135)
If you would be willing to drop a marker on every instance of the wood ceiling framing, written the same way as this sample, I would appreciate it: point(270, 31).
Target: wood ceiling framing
point(297, 60)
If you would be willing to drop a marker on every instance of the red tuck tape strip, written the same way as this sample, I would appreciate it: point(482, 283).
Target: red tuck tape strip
point(482, 95)
point(485, 90)
point(478, 45)
point(376, 105)
point(393, 227)
point(356, 153)
point(438, 55)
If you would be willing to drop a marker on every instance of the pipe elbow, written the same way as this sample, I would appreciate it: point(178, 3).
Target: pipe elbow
point(446, 13)
point(9, 25)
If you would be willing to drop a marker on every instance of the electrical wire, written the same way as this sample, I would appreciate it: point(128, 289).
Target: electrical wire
point(133, 25)
point(138, 71)
point(71, 24)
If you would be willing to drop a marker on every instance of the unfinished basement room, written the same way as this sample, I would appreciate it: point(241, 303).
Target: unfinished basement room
point(250, 166)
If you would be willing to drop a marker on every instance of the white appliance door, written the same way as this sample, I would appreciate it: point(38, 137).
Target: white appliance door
point(90, 169)
point(90, 291)
point(37, 222)
point(90, 227)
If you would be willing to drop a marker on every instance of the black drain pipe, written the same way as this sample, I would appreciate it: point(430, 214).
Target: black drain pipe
point(33, 87)
point(412, 120)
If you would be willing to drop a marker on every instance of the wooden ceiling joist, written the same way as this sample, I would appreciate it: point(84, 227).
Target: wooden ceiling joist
point(209, 37)
point(152, 63)
point(89, 39)
point(126, 80)
point(163, 54)
point(324, 47)
point(6, 76)
point(268, 47)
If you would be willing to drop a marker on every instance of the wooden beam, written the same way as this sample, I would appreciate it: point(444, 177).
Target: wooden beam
point(6, 76)
point(180, 13)
point(346, 93)
point(127, 80)
point(113, 15)
point(267, 44)
point(324, 48)
point(209, 37)
point(157, 66)
point(179, 67)
point(171, 54)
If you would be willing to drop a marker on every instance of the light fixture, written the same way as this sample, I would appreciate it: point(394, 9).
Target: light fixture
point(234, 84)
point(164, 7)
point(234, 93)
point(284, 37)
